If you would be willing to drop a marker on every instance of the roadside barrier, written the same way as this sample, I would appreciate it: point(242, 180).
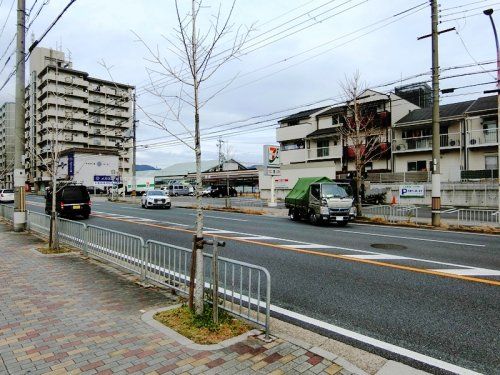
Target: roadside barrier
point(478, 217)
point(241, 288)
point(393, 213)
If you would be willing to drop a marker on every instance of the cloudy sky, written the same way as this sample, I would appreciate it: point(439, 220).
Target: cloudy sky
point(295, 56)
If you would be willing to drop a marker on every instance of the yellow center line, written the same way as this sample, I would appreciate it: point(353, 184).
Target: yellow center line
point(322, 254)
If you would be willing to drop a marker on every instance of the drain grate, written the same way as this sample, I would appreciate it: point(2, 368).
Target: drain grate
point(388, 246)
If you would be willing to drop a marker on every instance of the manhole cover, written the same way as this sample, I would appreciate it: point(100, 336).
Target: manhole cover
point(388, 246)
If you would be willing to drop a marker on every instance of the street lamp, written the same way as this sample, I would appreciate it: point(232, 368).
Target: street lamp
point(489, 12)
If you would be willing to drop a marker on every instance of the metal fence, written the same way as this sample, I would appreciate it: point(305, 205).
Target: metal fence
point(393, 213)
point(122, 249)
point(243, 289)
point(7, 212)
point(478, 217)
point(240, 202)
point(39, 223)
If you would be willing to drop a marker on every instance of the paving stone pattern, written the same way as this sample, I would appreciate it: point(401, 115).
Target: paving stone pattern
point(68, 315)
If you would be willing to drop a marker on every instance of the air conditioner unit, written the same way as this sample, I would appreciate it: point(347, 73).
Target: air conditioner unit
point(97, 131)
point(452, 142)
point(473, 141)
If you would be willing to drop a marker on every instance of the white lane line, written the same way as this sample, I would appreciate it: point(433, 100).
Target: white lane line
point(424, 229)
point(310, 246)
point(219, 231)
point(410, 238)
point(374, 342)
point(375, 256)
point(254, 238)
point(221, 217)
point(471, 272)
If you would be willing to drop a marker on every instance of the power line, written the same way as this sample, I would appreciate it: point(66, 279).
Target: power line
point(7, 19)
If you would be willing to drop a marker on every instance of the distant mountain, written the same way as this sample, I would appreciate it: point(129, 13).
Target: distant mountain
point(145, 167)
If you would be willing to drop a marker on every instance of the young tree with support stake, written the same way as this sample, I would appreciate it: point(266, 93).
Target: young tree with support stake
point(361, 131)
point(199, 57)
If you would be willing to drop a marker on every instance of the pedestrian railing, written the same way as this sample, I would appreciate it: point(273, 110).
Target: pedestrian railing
point(243, 289)
point(477, 217)
point(168, 265)
point(120, 248)
point(393, 213)
point(7, 212)
point(72, 233)
point(38, 223)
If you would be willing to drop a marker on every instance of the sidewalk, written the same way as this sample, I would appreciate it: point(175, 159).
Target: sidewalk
point(66, 314)
point(63, 314)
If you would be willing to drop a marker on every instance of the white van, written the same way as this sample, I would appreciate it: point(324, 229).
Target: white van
point(177, 189)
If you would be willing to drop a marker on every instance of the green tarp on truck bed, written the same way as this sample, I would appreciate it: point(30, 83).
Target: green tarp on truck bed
point(300, 192)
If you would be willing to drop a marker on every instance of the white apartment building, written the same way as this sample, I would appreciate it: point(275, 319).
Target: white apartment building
point(81, 111)
point(311, 143)
point(468, 139)
point(7, 122)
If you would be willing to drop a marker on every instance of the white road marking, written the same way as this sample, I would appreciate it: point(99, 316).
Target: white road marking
point(424, 229)
point(410, 238)
point(375, 256)
point(310, 246)
point(221, 217)
point(219, 231)
point(254, 238)
point(374, 342)
point(471, 272)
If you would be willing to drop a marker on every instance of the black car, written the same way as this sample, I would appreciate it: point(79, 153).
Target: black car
point(219, 191)
point(71, 201)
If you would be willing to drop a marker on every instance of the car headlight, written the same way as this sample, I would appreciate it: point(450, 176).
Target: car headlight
point(352, 211)
point(324, 210)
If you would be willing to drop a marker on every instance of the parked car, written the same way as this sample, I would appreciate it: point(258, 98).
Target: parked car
point(176, 189)
point(6, 195)
point(71, 201)
point(155, 198)
point(219, 191)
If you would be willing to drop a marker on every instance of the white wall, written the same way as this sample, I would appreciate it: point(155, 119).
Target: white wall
point(87, 166)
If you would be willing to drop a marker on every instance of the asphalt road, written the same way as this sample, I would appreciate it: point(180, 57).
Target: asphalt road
point(432, 292)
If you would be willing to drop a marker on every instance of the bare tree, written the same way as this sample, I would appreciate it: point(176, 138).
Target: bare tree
point(198, 57)
point(362, 131)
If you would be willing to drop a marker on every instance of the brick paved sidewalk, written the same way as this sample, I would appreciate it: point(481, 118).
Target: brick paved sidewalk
point(65, 314)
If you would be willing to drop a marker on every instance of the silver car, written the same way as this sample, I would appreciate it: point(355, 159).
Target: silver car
point(155, 198)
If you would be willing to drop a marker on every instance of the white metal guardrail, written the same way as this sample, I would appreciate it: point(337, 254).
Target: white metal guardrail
point(244, 289)
point(467, 216)
point(393, 213)
point(7, 212)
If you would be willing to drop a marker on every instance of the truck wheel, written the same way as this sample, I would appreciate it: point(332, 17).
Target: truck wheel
point(342, 223)
point(294, 215)
point(313, 219)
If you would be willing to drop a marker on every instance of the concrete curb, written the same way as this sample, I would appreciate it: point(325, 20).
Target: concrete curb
point(147, 317)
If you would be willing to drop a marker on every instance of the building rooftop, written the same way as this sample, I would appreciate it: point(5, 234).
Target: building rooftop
point(485, 103)
point(302, 115)
point(446, 111)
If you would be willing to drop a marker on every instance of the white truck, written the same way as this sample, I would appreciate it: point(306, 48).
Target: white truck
point(143, 184)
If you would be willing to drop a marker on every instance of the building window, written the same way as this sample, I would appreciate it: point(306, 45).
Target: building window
point(323, 148)
point(491, 162)
point(369, 166)
point(293, 145)
point(417, 133)
point(420, 165)
point(490, 130)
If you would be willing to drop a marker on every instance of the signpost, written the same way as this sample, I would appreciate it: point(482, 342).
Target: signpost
point(272, 167)
point(411, 191)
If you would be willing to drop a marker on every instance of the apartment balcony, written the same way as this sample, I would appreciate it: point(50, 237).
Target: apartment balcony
point(447, 141)
point(65, 79)
point(324, 153)
point(293, 156)
point(287, 133)
point(482, 138)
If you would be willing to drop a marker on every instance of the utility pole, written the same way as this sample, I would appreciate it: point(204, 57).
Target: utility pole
point(436, 144)
point(489, 12)
point(220, 142)
point(134, 178)
point(19, 173)
point(436, 136)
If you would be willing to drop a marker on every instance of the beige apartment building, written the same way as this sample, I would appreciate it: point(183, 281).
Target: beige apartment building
point(80, 111)
point(7, 121)
point(312, 143)
point(468, 139)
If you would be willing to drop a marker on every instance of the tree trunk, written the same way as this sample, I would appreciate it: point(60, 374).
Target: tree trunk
point(53, 237)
